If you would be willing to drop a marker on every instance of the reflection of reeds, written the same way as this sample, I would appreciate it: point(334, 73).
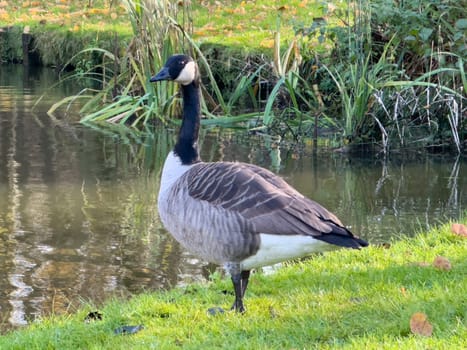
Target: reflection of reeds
point(453, 185)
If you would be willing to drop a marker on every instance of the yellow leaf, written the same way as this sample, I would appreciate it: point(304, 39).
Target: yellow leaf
point(4, 15)
point(267, 43)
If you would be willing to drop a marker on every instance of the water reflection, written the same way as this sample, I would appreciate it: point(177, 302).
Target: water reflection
point(78, 216)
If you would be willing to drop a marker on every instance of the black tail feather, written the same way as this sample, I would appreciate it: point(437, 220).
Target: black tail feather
point(343, 241)
point(342, 237)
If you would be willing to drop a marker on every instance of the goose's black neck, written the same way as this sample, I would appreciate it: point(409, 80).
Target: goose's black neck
point(187, 145)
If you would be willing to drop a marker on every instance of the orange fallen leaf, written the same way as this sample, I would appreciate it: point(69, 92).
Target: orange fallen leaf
point(267, 43)
point(459, 229)
point(199, 32)
point(419, 324)
point(442, 263)
point(4, 15)
point(63, 7)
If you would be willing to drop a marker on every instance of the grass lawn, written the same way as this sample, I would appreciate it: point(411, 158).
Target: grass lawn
point(246, 24)
point(368, 299)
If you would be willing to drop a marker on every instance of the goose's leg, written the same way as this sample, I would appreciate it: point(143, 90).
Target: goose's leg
point(240, 282)
point(245, 277)
point(238, 289)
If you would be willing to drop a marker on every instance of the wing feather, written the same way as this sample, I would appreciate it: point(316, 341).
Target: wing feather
point(263, 198)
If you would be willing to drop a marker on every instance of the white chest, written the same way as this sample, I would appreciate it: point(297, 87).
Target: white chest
point(173, 169)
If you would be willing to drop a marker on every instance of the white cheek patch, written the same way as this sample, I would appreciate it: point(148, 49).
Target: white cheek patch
point(187, 75)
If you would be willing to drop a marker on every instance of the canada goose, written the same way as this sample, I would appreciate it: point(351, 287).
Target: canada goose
point(237, 215)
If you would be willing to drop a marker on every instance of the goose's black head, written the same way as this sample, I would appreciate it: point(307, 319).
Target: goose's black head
point(179, 68)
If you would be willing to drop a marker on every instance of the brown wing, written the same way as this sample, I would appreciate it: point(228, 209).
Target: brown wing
point(262, 197)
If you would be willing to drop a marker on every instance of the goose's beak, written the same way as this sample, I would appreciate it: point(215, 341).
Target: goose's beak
point(162, 75)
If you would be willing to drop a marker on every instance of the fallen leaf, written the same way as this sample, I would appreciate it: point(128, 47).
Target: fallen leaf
point(267, 43)
point(419, 324)
point(459, 229)
point(4, 15)
point(442, 263)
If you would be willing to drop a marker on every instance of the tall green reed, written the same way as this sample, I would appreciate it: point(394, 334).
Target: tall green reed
point(294, 104)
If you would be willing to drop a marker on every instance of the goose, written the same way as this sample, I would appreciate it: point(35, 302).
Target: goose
point(234, 214)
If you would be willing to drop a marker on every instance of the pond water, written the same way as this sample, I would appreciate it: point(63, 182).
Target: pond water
point(78, 215)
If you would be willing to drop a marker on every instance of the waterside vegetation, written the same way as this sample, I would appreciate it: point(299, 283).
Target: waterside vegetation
point(407, 294)
point(372, 74)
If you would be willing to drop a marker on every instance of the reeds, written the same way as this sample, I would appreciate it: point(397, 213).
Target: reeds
point(126, 96)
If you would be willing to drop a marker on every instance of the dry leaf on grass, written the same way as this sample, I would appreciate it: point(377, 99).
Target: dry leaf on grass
point(459, 229)
point(442, 263)
point(419, 324)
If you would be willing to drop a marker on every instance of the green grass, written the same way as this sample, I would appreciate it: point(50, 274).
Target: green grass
point(242, 24)
point(251, 24)
point(344, 299)
point(65, 15)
